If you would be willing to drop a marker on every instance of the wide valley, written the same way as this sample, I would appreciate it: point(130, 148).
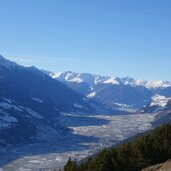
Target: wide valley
point(90, 133)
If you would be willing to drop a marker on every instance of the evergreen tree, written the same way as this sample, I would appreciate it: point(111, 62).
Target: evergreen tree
point(70, 166)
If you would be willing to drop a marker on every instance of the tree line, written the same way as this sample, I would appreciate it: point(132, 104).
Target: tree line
point(149, 149)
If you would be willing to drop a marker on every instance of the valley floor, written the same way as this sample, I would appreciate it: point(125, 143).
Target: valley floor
point(89, 134)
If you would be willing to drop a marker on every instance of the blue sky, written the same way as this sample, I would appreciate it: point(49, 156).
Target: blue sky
point(108, 37)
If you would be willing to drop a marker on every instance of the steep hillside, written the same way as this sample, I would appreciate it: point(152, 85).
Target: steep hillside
point(31, 103)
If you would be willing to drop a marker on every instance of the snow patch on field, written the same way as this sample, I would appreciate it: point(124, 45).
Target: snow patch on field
point(91, 94)
point(6, 105)
point(38, 100)
point(78, 105)
point(33, 113)
point(7, 100)
point(6, 120)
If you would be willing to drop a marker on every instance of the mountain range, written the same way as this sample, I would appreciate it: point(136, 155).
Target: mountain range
point(114, 91)
point(32, 100)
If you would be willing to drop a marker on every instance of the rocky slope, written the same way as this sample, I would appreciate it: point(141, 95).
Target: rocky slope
point(160, 167)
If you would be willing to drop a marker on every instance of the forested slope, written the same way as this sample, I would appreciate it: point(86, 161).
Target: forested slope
point(150, 149)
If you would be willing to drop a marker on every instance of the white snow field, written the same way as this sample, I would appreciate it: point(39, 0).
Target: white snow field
point(89, 134)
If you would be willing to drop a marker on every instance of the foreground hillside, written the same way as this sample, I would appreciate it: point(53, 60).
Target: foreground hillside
point(150, 149)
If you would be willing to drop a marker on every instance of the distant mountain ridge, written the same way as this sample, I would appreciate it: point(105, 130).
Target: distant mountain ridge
point(94, 79)
point(114, 91)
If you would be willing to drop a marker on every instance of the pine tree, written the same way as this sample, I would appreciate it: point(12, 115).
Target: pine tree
point(71, 165)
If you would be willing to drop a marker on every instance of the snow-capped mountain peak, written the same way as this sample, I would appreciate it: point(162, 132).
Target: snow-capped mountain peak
point(68, 76)
point(93, 79)
point(157, 84)
point(128, 81)
point(113, 81)
point(141, 82)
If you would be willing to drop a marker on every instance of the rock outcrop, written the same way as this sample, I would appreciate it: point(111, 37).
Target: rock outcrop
point(160, 167)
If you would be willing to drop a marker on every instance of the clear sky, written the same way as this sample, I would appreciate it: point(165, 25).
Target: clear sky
point(108, 37)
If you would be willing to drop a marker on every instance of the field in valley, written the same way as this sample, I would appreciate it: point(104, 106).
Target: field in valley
point(89, 134)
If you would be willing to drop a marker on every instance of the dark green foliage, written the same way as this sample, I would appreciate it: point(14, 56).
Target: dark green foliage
point(150, 149)
point(70, 166)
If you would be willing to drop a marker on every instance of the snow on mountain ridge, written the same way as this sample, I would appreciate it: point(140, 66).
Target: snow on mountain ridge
point(113, 81)
point(157, 84)
point(93, 79)
point(68, 76)
point(90, 79)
